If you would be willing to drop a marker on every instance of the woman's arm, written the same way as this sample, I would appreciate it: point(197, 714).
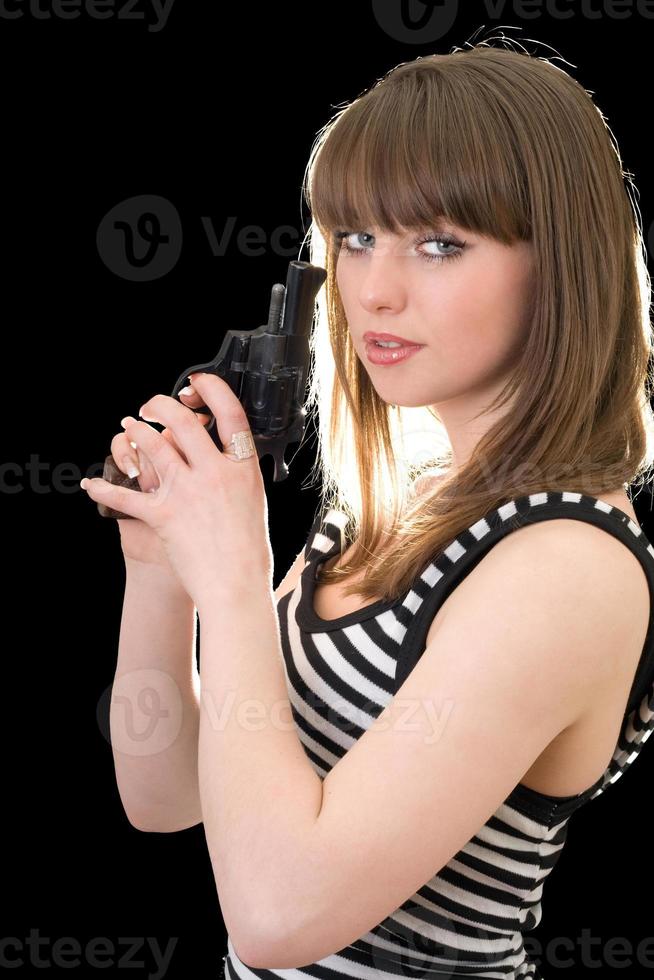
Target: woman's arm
point(155, 703)
point(156, 769)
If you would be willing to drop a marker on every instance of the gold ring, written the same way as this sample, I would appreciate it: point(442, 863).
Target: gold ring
point(240, 446)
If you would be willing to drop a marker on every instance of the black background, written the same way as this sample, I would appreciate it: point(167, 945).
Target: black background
point(216, 112)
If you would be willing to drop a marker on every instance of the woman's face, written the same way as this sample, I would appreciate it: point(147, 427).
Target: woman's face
point(469, 307)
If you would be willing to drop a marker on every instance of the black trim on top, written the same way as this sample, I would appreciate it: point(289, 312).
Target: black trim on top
point(305, 614)
point(615, 521)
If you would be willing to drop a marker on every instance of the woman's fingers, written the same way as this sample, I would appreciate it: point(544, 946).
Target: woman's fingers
point(127, 458)
point(130, 460)
point(190, 397)
point(168, 434)
point(183, 420)
point(193, 400)
point(123, 454)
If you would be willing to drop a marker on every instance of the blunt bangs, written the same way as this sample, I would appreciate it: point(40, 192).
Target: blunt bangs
point(407, 160)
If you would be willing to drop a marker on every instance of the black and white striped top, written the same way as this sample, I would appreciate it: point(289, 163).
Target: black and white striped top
point(470, 919)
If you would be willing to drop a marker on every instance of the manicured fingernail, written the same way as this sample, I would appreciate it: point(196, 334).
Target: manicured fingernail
point(189, 390)
point(132, 469)
point(133, 445)
point(125, 422)
point(84, 483)
point(146, 418)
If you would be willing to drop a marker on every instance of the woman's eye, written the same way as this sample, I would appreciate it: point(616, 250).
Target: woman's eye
point(359, 242)
point(440, 243)
point(356, 244)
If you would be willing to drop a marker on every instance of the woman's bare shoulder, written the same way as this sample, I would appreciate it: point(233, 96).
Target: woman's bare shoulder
point(587, 556)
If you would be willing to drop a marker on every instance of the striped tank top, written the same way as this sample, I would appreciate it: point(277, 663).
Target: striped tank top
point(470, 919)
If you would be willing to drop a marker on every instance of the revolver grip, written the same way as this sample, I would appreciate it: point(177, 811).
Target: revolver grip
point(112, 474)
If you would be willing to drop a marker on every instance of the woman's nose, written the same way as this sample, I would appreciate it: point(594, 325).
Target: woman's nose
point(383, 284)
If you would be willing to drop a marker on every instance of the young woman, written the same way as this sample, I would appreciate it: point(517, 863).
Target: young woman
point(467, 642)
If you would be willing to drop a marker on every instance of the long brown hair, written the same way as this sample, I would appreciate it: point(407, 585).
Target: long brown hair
point(506, 145)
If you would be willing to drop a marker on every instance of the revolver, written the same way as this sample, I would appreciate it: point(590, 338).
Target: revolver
point(266, 369)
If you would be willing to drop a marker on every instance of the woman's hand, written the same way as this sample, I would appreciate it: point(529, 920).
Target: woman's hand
point(138, 541)
point(209, 511)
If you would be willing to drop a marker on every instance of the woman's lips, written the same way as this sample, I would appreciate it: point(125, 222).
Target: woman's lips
point(388, 356)
point(370, 335)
